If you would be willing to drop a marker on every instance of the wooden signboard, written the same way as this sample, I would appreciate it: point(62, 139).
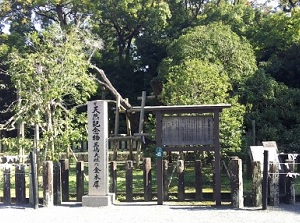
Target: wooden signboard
point(187, 130)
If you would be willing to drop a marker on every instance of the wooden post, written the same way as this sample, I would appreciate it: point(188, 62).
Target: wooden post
point(129, 181)
point(290, 182)
point(274, 183)
point(116, 143)
point(34, 180)
point(165, 180)
point(6, 185)
point(159, 160)
point(253, 132)
point(236, 177)
point(20, 184)
point(147, 179)
point(180, 172)
point(256, 184)
point(79, 180)
point(129, 133)
point(213, 178)
point(217, 191)
point(265, 180)
point(199, 180)
point(65, 167)
point(48, 183)
point(141, 125)
point(57, 191)
point(113, 177)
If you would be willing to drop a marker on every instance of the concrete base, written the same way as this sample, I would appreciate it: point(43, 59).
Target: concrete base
point(98, 201)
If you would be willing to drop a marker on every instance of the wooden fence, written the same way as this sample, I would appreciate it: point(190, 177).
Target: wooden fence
point(17, 183)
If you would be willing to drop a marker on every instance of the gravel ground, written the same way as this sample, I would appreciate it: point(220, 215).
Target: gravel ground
point(149, 212)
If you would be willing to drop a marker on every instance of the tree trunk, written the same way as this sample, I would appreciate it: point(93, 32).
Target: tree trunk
point(50, 143)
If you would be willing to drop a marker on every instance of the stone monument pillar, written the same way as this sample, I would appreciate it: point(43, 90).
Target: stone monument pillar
point(98, 194)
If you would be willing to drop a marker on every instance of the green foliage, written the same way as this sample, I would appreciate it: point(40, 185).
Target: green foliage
point(194, 81)
point(209, 65)
point(12, 145)
point(210, 60)
point(217, 44)
point(240, 17)
point(52, 79)
point(275, 109)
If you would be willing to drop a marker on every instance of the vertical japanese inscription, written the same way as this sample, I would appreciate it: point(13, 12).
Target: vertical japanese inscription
point(96, 137)
point(97, 144)
point(187, 130)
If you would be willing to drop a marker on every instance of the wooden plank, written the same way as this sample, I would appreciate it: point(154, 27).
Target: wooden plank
point(217, 158)
point(141, 126)
point(187, 130)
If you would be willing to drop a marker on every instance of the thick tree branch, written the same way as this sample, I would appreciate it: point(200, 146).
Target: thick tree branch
point(110, 87)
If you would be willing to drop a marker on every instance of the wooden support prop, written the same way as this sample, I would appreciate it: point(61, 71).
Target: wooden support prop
point(129, 181)
point(147, 179)
point(20, 184)
point(236, 177)
point(6, 186)
point(129, 133)
point(34, 180)
point(113, 177)
point(79, 180)
point(165, 179)
point(199, 180)
point(116, 144)
point(147, 97)
point(265, 180)
point(65, 168)
point(256, 184)
point(180, 172)
point(57, 191)
point(141, 125)
point(290, 182)
point(48, 184)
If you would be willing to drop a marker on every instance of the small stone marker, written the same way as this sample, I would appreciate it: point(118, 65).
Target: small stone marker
point(98, 194)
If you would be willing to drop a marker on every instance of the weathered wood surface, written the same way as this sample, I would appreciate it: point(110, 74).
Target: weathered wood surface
point(20, 184)
point(180, 172)
point(65, 171)
point(199, 180)
point(129, 181)
point(147, 175)
point(113, 177)
point(6, 186)
point(57, 190)
point(256, 184)
point(236, 175)
point(48, 184)
point(165, 180)
point(79, 180)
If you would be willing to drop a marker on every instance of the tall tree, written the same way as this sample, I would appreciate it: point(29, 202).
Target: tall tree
point(52, 79)
point(207, 65)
